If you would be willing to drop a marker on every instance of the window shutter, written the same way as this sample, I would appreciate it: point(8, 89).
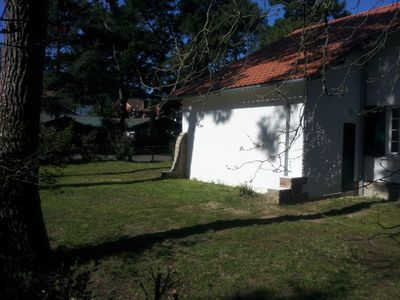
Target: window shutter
point(375, 132)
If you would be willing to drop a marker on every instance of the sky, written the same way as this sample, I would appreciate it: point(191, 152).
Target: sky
point(354, 6)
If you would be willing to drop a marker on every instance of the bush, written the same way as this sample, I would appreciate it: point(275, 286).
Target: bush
point(89, 147)
point(55, 146)
point(246, 190)
point(123, 147)
point(21, 279)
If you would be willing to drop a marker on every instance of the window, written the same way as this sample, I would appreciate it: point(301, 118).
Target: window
point(382, 131)
point(375, 131)
point(394, 136)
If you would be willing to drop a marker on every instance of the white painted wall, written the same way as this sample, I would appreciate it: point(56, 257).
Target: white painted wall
point(383, 89)
point(228, 141)
point(383, 169)
point(383, 86)
point(223, 126)
point(325, 117)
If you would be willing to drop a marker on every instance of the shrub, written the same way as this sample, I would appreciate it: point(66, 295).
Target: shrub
point(160, 283)
point(123, 147)
point(246, 190)
point(21, 279)
point(89, 147)
point(55, 146)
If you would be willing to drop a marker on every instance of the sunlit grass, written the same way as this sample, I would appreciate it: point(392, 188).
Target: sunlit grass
point(222, 246)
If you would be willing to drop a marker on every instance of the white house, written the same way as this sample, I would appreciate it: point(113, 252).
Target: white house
point(304, 119)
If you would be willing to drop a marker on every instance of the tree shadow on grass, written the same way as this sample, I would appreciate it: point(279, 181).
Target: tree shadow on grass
point(140, 243)
point(90, 184)
point(265, 294)
point(335, 288)
point(113, 173)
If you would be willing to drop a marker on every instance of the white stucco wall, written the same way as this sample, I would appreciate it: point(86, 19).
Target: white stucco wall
point(383, 86)
point(224, 128)
point(384, 169)
point(325, 117)
point(233, 144)
point(383, 89)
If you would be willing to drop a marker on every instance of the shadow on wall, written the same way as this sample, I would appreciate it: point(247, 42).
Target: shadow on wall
point(383, 84)
point(385, 169)
point(385, 173)
point(270, 132)
point(194, 119)
point(323, 155)
point(266, 136)
point(221, 116)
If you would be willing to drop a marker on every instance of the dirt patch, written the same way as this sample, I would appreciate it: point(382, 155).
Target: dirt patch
point(237, 211)
point(185, 208)
point(213, 205)
point(361, 213)
point(272, 216)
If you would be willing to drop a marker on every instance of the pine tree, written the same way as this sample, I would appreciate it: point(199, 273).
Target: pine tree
point(23, 237)
point(300, 13)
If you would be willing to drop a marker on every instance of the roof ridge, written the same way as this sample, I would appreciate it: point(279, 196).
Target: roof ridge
point(367, 13)
point(280, 60)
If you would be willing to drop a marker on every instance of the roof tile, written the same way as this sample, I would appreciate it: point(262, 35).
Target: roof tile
point(284, 59)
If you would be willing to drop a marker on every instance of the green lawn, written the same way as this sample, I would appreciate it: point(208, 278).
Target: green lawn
point(122, 223)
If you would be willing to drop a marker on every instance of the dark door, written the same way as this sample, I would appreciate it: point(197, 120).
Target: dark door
point(349, 146)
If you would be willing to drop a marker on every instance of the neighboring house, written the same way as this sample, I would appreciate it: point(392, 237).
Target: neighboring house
point(91, 122)
point(135, 107)
point(304, 119)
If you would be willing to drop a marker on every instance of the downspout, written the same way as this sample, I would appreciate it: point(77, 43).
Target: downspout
point(304, 123)
point(287, 140)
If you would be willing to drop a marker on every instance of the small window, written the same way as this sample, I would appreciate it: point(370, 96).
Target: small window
point(395, 131)
point(375, 132)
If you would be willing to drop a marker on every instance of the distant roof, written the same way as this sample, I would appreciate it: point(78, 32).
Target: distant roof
point(94, 121)
point(89, 120)
point(135, 122)
point(284, 59)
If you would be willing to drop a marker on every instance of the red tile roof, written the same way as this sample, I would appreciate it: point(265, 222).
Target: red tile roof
point(284, 59)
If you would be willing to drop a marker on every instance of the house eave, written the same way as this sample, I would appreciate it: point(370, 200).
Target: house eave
point(255, 95)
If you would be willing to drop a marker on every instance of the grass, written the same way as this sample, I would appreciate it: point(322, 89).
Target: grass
point(122, 223)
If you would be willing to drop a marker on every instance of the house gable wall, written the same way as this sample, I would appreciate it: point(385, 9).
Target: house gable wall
point(383, 90)
point(229, 134)
point(325, 116)
point(382, 82)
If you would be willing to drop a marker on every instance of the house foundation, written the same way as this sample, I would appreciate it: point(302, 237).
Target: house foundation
point(384, 190)
point(290, 191)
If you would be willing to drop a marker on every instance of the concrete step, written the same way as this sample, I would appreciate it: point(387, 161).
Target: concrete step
point(294, 183)
point(282, 196)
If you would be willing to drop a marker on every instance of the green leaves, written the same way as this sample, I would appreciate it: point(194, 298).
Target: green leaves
point(163, 43)
point(299, 13)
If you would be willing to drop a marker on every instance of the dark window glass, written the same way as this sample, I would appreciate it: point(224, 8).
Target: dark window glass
point(395, 135)
point(396, 113)
point(375, 132)
point(395, 147)
point(395, 124)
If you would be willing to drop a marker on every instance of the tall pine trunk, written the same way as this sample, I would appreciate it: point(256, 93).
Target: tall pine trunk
point(23, 236)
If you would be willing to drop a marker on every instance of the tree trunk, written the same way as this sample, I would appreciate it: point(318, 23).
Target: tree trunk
point(123, 114)
point(23, 236)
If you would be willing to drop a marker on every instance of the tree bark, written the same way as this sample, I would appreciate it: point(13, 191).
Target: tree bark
point(23, 236)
